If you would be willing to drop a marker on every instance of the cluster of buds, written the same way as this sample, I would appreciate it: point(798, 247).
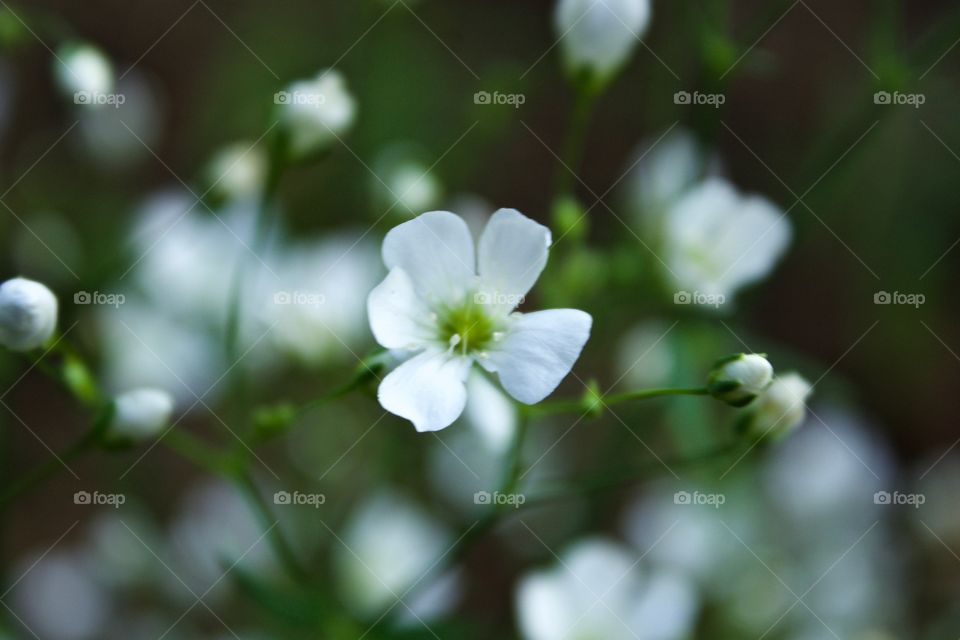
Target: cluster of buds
point(777, 405)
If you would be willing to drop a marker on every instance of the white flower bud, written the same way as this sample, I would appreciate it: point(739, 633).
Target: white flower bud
point(737, 380)
point(140, 414)
point(781, 407)
point(28, 314)
point(81, 68)
point(238, 171)
point(597, 36)
point(316, 112)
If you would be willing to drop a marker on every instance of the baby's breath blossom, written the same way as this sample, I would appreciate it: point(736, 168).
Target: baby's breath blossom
point(716, 240)
point(445, 307)
point(82, 68)
point(28, 314)
point(238, 171)
point(597, 36)
point(140, 414)
point(781, 407)
point(738, 379)
point(599, 591)
point(316, 112)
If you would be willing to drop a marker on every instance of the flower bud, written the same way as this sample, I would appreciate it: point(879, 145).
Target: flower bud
point(83, 72)
point(28, 314)
point(780, 408)
point(738, 379)
point(597, 36)
point(315, 112)
point(140, 414)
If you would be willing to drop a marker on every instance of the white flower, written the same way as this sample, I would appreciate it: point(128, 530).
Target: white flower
point(666, 167)
point(598, 591)
point(717, 240)
point(238, 171)
point(781, 407)
point(313, 307)
point(28, 314)
point(389, 545)
point(316, 111)
point(738, 379)
point(140, 414)
point(597, 36)
point(60, 597)
point(448, 307)
point(82, 68)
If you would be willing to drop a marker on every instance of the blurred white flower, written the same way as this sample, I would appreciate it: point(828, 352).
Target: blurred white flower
point(738, 379)
point(59, 597)
point(598, 36)
point(314, 308)
point(434, 305)
point(143, 345)
point(237, 171)
point(781, 407)
point(716, 241)
point(28, 314)
point(213, 529)
point(389, 544)
point(490, 412)
point(851, 464)
point(598, 591)
point(316, 112)
point(121, 133)
point(120, 547)
point(665, 168)
point(140, 414)
point(412, 188)
point(80, 67)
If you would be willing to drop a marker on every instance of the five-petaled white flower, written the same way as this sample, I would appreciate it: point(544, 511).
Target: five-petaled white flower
point(445, 307)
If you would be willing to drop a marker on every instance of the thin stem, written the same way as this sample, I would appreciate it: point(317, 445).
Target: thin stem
point(643, 394)
point(281, 546)
point(591, 403)
point(576, 138)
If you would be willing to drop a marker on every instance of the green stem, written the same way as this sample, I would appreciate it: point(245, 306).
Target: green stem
point(576, 138)
point(590, 403)
point(643, 394)
point(276, 167)
point(281, 546)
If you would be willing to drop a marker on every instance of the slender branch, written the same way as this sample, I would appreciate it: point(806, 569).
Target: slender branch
point(278, 540)
point(590, 403)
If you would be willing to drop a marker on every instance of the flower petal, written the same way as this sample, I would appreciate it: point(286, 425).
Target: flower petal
point(511, 254)
point(436, 251)
point(399, 318)
point(538, 351)
point(427, 390)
